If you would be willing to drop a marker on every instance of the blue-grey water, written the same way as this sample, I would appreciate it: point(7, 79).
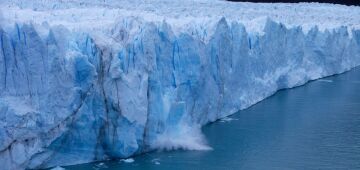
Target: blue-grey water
point(315, 126)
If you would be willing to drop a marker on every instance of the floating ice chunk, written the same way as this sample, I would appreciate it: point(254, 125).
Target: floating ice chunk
point(128, 160)
point(156, 161)
point(101, 165)
point(325, 80)
point(227, 119)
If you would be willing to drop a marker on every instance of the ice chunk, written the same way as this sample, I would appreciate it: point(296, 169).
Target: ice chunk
point(325, 80)
point(128, 160)
point(156, 161)
point(227, 119)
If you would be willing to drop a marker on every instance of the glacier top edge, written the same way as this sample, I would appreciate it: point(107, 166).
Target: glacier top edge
point(183, 16)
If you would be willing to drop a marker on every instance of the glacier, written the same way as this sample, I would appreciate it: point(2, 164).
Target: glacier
point(84, 81)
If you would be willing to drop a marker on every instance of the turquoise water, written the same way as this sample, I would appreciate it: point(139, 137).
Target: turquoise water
point(315, 126)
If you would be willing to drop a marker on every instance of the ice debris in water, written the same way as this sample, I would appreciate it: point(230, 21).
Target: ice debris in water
point(156, 161)
point(101, 165)
point(128, 160)
point(325, 80)
point(227, 119)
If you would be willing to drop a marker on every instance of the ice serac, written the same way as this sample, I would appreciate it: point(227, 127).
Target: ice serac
point(68, 97)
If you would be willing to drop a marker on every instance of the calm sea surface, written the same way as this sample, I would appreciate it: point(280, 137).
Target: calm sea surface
point(315, 126)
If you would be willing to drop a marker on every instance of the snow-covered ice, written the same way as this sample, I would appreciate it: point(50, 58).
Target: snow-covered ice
point(84, 81)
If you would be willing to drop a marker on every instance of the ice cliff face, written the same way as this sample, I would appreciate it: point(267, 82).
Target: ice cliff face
point(68, 96)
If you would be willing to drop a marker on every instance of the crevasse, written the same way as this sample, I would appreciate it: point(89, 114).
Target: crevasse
point(66, 98)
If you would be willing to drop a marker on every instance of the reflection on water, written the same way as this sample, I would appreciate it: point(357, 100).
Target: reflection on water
point(316, 126)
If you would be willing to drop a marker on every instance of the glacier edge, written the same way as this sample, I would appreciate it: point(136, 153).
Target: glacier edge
point(83, 100)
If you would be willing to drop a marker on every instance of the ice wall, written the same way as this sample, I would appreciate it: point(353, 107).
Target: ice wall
point(66, 97)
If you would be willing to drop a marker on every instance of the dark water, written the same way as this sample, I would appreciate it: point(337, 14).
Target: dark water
point(316, 126)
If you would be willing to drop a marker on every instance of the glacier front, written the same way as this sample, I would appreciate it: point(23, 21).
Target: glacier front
point(87, 81)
